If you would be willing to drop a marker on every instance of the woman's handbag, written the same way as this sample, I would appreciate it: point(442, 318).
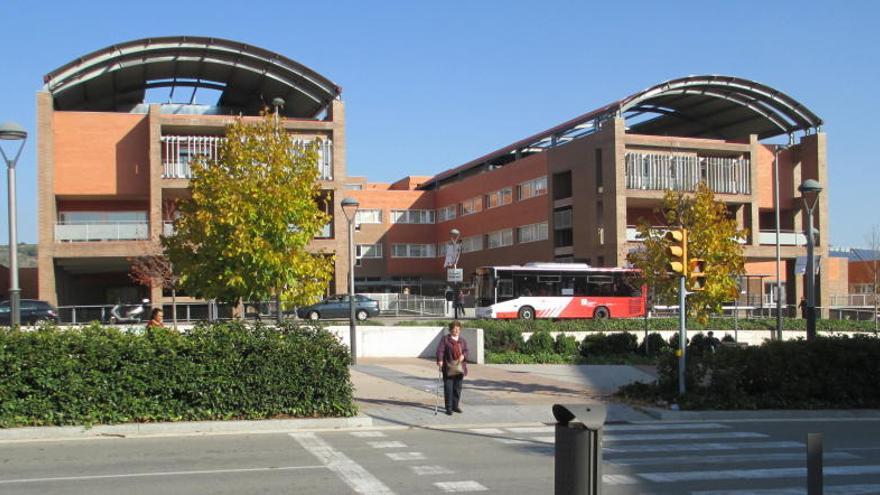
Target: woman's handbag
point(454, 368)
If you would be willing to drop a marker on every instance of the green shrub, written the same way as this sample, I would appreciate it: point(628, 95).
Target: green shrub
point(519, 358)
point(224, 371)
point(503, 339)
point(604, 344)
point(655, 345)
point(540, 343)
point(830, 372)
point(566, 345)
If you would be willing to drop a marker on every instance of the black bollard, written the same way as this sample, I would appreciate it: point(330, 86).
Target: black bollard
point(578, 463)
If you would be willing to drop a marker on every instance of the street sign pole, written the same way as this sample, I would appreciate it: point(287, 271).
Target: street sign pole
point(682, 312)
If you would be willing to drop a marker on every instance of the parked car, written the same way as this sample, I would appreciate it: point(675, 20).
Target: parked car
point(32, 312)
point(338, 307)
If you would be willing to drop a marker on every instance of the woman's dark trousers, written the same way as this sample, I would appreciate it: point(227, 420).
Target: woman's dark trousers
point(452, 390)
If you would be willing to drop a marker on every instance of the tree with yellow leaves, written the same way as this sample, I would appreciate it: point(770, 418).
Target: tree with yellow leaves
point(244, 232)
point(713, 236)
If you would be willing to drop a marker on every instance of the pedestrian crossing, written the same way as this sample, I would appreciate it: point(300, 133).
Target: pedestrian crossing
point(706, 458)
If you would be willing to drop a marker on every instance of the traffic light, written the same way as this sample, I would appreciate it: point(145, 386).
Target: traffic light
point(697, 274)
point(676, 250)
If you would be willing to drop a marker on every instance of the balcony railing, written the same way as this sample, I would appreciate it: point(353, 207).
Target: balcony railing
point(632, 233)
point(101, 231)
point(683, 173)
point(788, 238)
point(179, 151)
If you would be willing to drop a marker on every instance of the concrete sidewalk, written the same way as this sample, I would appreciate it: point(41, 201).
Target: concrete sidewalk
point(404, 392)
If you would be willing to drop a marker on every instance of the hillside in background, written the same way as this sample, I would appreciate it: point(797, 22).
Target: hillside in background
point(27, 255)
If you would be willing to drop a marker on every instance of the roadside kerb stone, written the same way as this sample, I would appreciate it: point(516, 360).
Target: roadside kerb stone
point(183, 428)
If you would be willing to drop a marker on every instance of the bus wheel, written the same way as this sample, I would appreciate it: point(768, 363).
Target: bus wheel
point(526, 313)
point(601, 313)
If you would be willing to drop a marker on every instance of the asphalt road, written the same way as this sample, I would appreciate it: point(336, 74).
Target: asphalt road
point(700, 458)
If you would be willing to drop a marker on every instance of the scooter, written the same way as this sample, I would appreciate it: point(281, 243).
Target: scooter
point(132, 315)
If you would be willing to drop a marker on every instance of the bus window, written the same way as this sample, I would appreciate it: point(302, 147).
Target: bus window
point(525, 285)
point(505, 290)
point(600, 285)
point(627, 285)
point(485, 292)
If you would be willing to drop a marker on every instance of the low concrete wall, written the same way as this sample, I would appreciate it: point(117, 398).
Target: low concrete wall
point(375, 341)
point(750, 337)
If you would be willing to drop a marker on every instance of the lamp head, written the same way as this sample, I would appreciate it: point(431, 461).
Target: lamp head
point(11, 131)
point(810, 186)
point(455, 233)
point(350, 207)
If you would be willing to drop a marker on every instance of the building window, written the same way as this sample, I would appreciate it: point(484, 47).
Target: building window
point(471, 206)
point(532, 188)
point(500, 238)
point(413, 251)
point(446, 213)
point(471, 244)
point(532, 233)
point(562, 219)
point(369, 251)
point(599, 179)
point(500, 197)
point(368, 216)
point(412, 216)
point(354, 187)
point(562, 185)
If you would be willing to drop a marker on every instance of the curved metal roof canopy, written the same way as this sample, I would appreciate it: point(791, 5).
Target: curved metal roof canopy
point(117, 77)
point(720, 107)
point(716, 107)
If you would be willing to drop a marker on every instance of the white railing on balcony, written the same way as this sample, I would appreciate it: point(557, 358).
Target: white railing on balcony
point(785, 238)
point(684, 172)
point(101, 231)
point(179, 151)
point(632, 234)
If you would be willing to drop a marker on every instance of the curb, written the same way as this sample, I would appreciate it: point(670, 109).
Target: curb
point(182, 428)
point(765, 414)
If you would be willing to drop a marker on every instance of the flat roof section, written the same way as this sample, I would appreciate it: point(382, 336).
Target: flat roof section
point(248, 78)
point(711, 106)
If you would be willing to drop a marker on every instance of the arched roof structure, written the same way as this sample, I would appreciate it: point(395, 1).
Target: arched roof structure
point(248, 78)
point(714, 107)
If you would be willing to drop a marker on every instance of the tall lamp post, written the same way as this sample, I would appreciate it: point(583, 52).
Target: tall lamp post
point(810, 190)
point(455, 238)
point(10, 131)
point(350, 207)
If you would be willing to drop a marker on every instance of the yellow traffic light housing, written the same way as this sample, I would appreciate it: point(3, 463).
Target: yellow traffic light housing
point(697, 274)
point(676, 250)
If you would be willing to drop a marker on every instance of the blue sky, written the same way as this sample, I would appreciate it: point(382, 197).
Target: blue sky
point(431, 85)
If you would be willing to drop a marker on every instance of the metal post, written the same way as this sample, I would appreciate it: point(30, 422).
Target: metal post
point(682, 313)
point(14, 289)
point(811, 274)
point(778, 255)
point(814, 464)
point(352, 328)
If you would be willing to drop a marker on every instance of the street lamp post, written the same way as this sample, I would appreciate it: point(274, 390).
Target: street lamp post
point(810, 188)
point(455, 237)
point(350, 207)
point(10, 131)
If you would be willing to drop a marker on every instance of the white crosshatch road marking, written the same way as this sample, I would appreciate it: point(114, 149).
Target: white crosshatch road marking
point(157, 474)
point(367, 434)
point(431, 470)
point(487, 431)
point(618, 479)
point(359, 479)
point(722, 459)
point(686, 447)
point(460, 486)
point(751, 474)
point(681, 436)
point(666, 427)
point(827, 490)
point(406, 456)
point(532, 429)
point(387, 445)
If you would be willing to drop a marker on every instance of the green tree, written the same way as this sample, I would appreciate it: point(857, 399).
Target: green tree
point(244, 232)
point(712, 236)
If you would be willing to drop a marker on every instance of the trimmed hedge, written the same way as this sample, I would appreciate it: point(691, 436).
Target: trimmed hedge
point(831, 372)
point(231, 370)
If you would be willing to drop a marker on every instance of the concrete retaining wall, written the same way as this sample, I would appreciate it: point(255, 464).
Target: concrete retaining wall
point(375, 341)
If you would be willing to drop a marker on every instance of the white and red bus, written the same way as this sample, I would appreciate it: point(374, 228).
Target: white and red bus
point(558, 290)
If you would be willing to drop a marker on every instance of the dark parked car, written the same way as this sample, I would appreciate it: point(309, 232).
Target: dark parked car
point(338, 307)
point(32, 312)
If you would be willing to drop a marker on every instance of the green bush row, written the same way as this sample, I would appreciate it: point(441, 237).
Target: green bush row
point(656, 324)
point(224, 371)
point(830, 372)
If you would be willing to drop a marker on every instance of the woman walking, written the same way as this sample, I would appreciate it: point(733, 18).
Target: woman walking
point(452, 360)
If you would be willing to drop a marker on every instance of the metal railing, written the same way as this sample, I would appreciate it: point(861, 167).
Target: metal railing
point(186, 312)
point(684, 172)
point(393, 304)
point(786, 238)
point(101, 231)
point(179, 151)
point(852, 300)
